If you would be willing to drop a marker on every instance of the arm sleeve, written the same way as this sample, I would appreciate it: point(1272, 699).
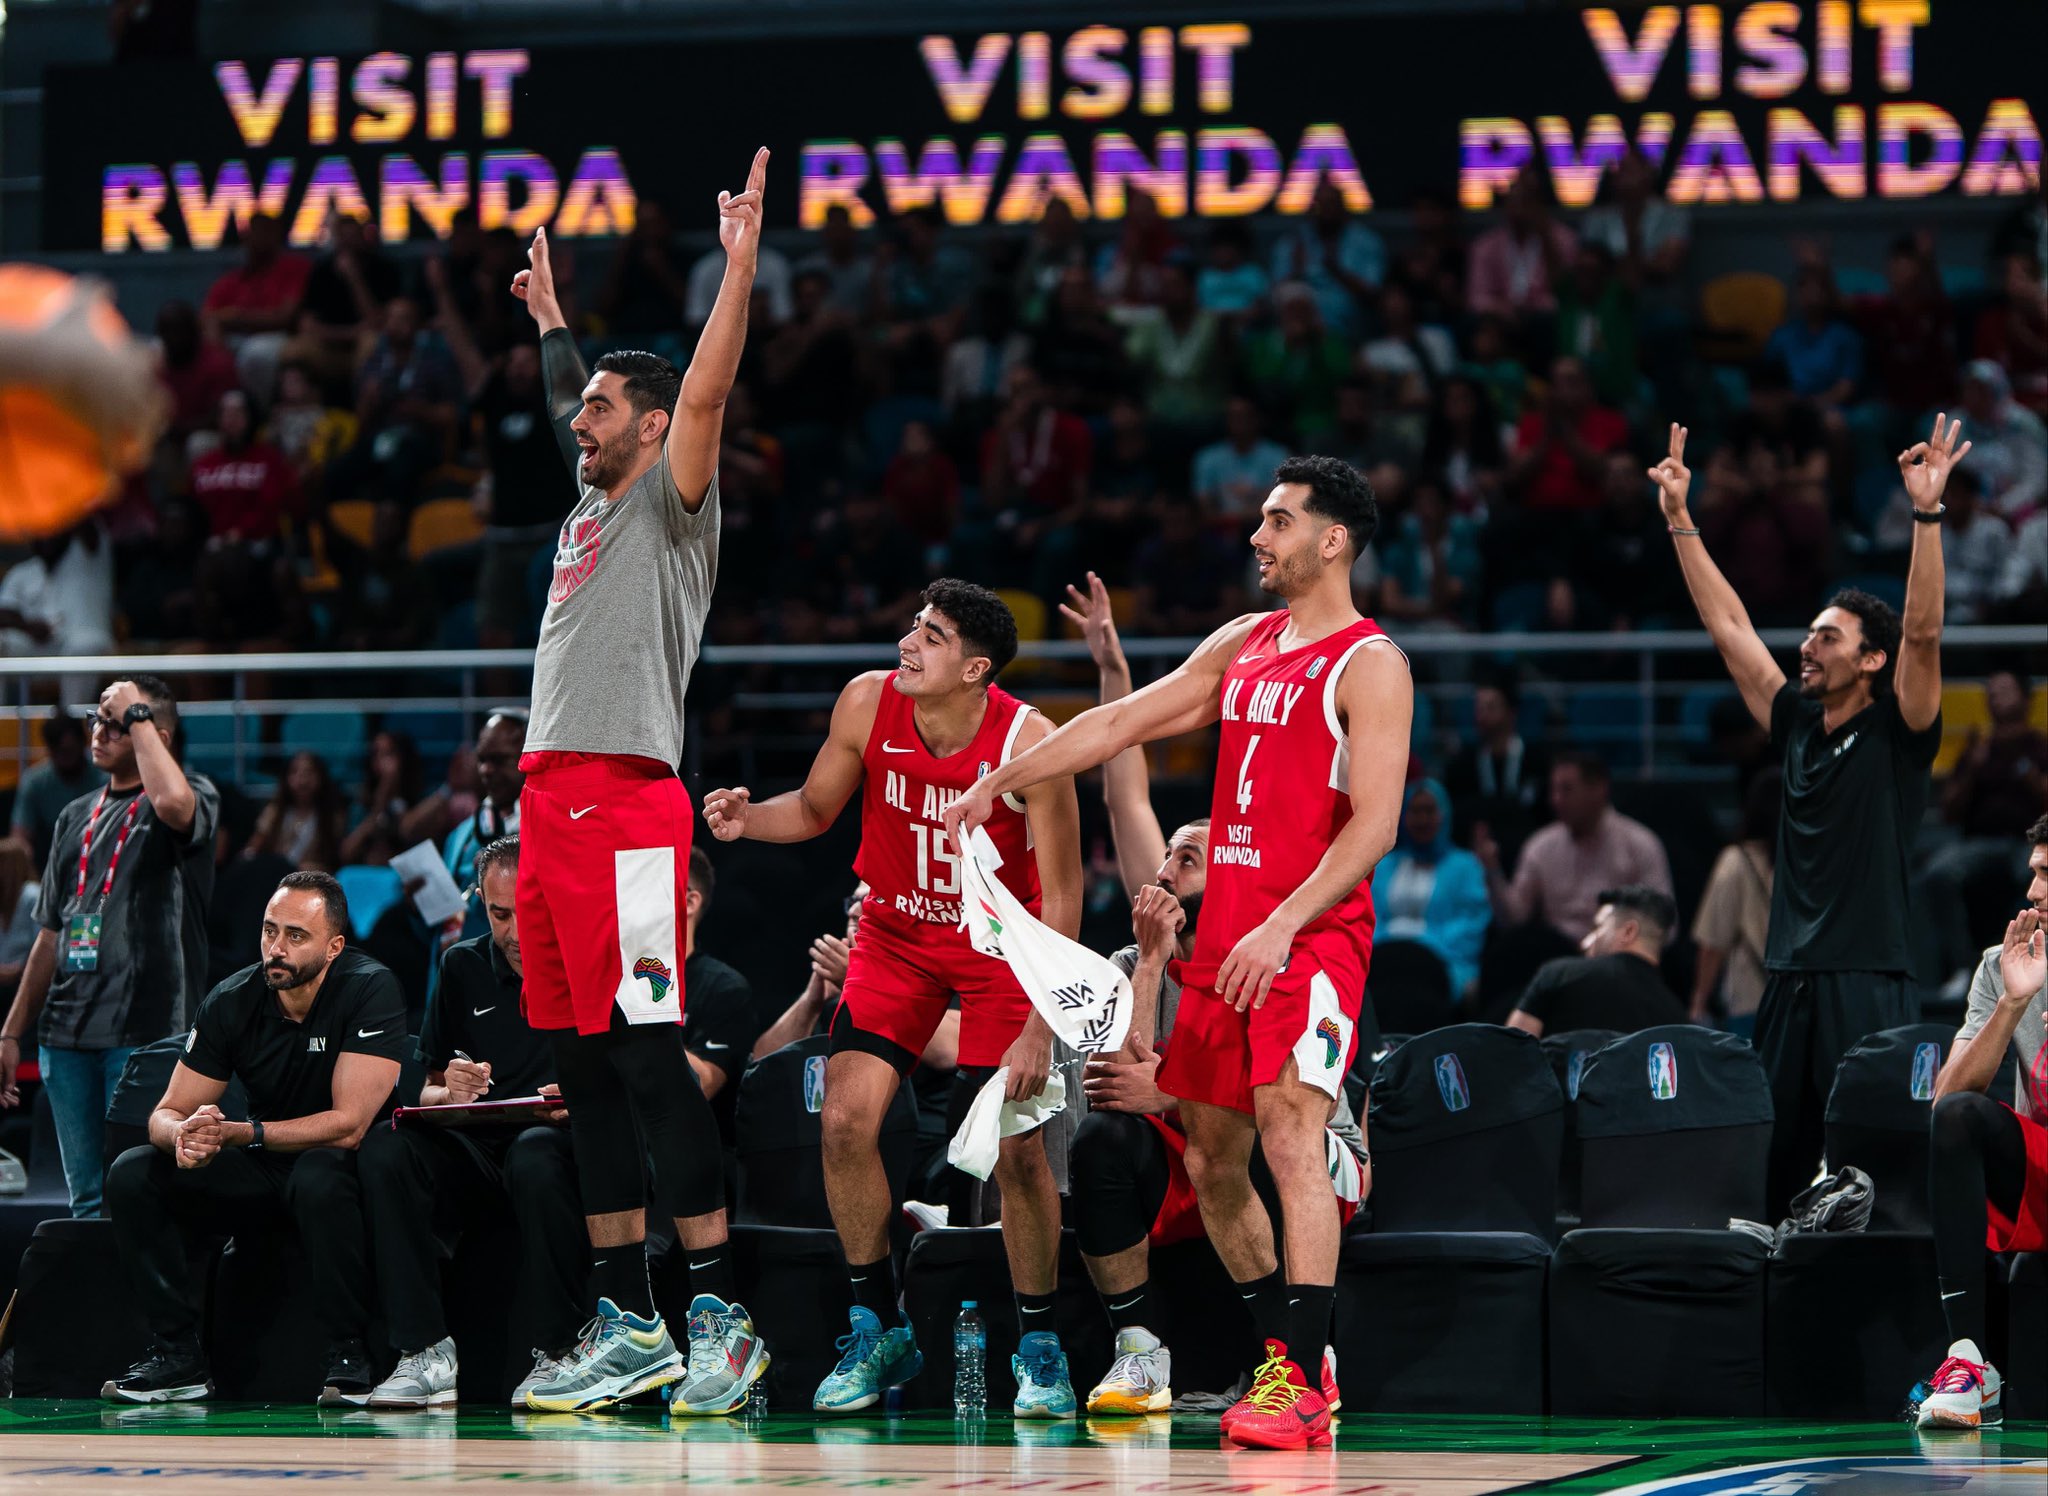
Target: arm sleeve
point(1918, 748)
point(1986, 988)
point(199, 837)
point(207, 1050)
point(564, 376)
point(377, 1027)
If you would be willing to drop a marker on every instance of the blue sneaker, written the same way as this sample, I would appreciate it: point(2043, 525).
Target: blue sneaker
point(1043, 1388)
point(871, 1361)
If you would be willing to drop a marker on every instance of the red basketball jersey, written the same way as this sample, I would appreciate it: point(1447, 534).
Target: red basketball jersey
point(1282, 791)
point(905, 858)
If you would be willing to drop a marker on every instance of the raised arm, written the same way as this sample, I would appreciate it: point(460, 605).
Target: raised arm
point(562, 372)
point(1053, 812)
point(693, 436)
point(1181, 701)
point(809, 810)
point(1126, 779)
point(1756, 674)
point(2023, 970)
point(163, 781)
point(1924, 467)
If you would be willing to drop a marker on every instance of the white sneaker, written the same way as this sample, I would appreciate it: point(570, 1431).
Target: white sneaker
point(1140, 1379)
point(926, 1217)
point(545, 1368)
point(422, 1379)
point(1965, 1392)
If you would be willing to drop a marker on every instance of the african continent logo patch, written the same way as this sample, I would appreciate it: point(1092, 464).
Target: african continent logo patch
point(659, 977)
point(1334, 1038)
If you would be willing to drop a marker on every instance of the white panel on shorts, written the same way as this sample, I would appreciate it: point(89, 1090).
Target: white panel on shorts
point(650, 976)
point(1312, 1058)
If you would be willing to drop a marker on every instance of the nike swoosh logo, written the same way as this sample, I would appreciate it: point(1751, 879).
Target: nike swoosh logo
point(577, 815)
point(892, 748)
point(709, 1045)
point(1247, 659)
point(696, 1266)
point(368, 1033)
point(479, 1012)
point(1956, 1295)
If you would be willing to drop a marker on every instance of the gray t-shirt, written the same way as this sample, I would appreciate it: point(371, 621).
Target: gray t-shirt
point(631, 589)
point(2029, 1039)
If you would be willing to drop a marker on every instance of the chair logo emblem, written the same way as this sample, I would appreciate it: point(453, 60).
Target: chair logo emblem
point(1663, 1072)
point(814, 1083)
point(1450, 1083)
point(1926, 1061)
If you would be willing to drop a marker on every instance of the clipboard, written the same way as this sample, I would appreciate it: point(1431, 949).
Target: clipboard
point(479, 1113)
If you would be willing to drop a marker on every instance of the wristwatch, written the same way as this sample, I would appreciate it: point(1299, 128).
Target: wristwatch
point(140, 712)
point(255, 1134)
point(1929, 516)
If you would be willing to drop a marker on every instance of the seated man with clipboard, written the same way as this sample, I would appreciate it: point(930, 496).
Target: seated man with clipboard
point(485, 1130)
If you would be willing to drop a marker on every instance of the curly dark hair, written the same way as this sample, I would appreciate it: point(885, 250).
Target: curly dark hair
point(2037, 834)
point(1338, 492)
point(986, 625)
point(652, 382)
point(1880, 628)
point(504, 850)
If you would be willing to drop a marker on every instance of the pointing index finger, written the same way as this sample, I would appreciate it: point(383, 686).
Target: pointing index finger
point(757, 175)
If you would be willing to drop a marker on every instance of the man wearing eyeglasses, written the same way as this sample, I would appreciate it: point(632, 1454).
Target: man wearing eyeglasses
point(120, 953)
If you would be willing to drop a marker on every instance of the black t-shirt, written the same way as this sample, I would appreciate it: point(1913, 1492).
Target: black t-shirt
point(529, 485)
point(152, 956)
point(1619, 992)
point(719, 1027)
point(286, 1067)
point(476, 1009)
point(328, 297)
point(1854, 799)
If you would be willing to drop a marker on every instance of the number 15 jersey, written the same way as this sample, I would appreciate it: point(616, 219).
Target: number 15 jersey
point(1282, 785)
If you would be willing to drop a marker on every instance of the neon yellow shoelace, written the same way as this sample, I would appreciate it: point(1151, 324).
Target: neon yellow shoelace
point(1272, 1391)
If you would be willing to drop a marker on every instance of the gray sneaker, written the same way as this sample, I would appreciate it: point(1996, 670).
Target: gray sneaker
point(545, 1369)
point(618, 1356)
point(422, 1379)
point(726, 1359)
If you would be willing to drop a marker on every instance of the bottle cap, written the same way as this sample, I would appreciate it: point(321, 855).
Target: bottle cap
point(969, 1304)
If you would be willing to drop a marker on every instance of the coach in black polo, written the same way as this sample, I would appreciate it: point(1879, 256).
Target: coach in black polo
point(314, 1031)
point(424, 1184)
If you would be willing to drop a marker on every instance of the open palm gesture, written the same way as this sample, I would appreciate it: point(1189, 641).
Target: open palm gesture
point(739, 218)
point(1925, 465)
point(1091, 613)
point(1673, 478)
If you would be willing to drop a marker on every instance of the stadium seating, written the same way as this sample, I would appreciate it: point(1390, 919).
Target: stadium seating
point(1878, 1116)
point(74, 1322)
point(338, 737)
point(441, 523)
point(370, 891)
point(2026, 1364)
point(1408, 987)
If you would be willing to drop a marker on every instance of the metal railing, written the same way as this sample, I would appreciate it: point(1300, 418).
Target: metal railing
point(455, 680)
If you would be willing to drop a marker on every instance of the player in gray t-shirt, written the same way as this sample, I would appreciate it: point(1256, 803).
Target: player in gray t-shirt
point(1988, 1173)
point(605, 829)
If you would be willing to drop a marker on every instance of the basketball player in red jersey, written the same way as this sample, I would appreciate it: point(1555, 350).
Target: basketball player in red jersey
point(916, 738)
point(1315, 704)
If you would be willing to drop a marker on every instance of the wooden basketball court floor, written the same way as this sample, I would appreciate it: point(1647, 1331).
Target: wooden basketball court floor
point(91, 1449)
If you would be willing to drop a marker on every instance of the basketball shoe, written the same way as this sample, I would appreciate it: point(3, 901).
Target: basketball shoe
point(1140, 1379)
point(726, 1358)
point(1330, 1394)
point(1965, 1393)
point(1281, 1411)
point(618, 1355)
point(871, 1361)
point(1044, 1389)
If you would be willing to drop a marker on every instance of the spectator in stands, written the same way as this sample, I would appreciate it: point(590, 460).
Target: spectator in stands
point(47, 787)
point(1638, 226)
point(387, 602)
point(1766, 500)
point(921, 278)
point(499, 782)
point(646, 294)
point(978, 365)
point(1079, 349)
point(1361, 437)
point(19, 891)
point(1499, 782)
point(303, 426)
point(922, 486)
point(1430, 565)
point(1500, 371)
point(1409, 357)
point(60, 601)
point(1732, 924)
point(406, 399)
point(808, 363)
point(1615, 984)
point(1856, 737)
point(1909, 332)
point(342, 307)
point(719, 1024)
point(1633, 572)
point(159, 589)
point(1976, 550)
point(1999, 781)
point(423, 1185)
point(1132, 271)
point(1564, 867)
point(1035, 460)
point(1560, 448)
point(1430, 266)
point(1054, 248)
point(1188, 579)
point(251, 308)
point(872, 567)
point(1340, 259)
point(1232, 477)
point(311, 1101)
point(2023, 586)
point(849, 270)
point(1297, 364)
point(2010, 441)
point(1817, 345)
point(2013, 331)
point(195, 370)
point(121, 955)
point(246, 485)
point(305, 820)
point(1598, 313)
point(1177, 353)
point(1988, 1168)
point(1515, 264)
point(392, 790)
point(1462, 443)
point(1232, 284)
point(1429, 890)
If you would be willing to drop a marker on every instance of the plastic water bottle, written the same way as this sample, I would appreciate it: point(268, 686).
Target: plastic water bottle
point(970, 1357)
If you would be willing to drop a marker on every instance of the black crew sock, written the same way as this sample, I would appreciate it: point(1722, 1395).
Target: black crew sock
point(1265, 1299)
point(620, 1274)
point(711, 1271)
point(1034, 1313)
point(874, 1288)
point(1131, 1309)
point(1309, 1306)
point(1962, 1302)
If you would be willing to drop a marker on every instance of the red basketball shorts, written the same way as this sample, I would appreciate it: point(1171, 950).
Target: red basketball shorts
point(2029, 1232)
point(1180, 1213)
point(903, 973)
point(604, 862)
point(1310, 1015)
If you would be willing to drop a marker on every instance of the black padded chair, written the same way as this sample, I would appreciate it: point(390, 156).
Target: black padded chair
point(776, 1135)
point(2026, 1365)
point(1409, 988)
point(1568, 1053)
point(1878, 1116)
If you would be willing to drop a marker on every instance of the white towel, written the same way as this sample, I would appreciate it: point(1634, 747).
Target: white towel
point(991, 1119)
point(1083, 998)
